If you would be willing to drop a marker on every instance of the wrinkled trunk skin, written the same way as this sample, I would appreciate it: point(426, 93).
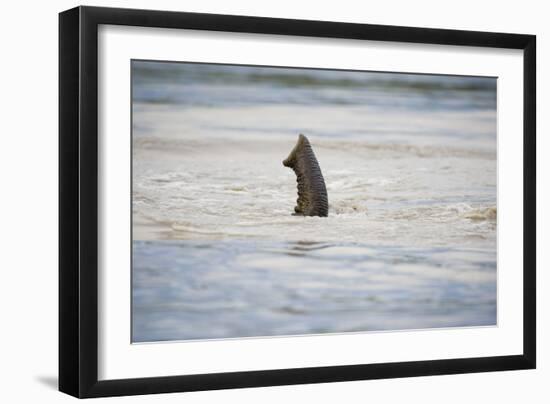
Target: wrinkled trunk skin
point(312, 192)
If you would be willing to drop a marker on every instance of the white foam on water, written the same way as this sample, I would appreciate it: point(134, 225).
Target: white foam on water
point(233, 186)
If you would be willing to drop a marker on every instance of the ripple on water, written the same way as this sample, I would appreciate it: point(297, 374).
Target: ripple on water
point(228, 289)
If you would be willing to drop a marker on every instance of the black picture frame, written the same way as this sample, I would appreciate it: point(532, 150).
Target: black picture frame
point(78, 201)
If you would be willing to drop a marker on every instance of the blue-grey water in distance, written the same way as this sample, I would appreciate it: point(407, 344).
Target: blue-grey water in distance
point(194, 85)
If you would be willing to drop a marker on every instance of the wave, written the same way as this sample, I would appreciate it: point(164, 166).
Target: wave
point(210, 85)
point(146, 71)
point(181, 230)
point(446, 212)
point(348, 207)
point(483, 214)
point(407, 149)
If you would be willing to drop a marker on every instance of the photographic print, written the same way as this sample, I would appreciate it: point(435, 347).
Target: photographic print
point(275, 201)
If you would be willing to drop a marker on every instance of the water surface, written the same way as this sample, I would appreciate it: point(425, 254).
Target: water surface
point(410, 167)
